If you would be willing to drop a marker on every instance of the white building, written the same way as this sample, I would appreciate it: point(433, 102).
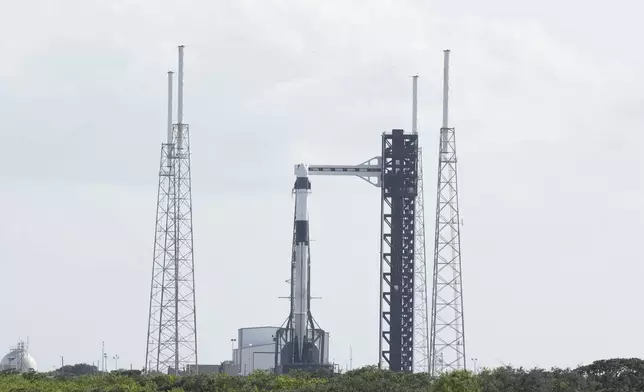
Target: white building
point(255, 349)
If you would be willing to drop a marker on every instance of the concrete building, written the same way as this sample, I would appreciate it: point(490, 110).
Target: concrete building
point(255, 349)
point(203, 369)
point(229, 368)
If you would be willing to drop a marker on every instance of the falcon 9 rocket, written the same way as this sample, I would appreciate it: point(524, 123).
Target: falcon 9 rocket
point(300, 343)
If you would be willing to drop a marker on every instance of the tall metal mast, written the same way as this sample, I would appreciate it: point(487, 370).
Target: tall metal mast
point(172, 325)
point(447, 346)
point(421, 319)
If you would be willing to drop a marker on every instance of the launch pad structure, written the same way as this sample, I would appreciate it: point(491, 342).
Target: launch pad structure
point(395, 172)
point(405, 342)
point(300, 343)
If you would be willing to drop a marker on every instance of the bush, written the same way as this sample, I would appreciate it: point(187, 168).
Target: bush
point(624, 375)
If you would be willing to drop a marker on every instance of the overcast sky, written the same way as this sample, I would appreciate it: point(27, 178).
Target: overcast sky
point(547, 100)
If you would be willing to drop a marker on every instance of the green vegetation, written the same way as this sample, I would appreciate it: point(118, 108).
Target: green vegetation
point(623, 375)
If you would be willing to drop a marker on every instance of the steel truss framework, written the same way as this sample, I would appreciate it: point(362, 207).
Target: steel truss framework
point(398, 182)
point(399, 189)
point(172, 335)
point(447, 346)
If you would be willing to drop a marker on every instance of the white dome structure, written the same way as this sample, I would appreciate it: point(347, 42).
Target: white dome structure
point(19, 359)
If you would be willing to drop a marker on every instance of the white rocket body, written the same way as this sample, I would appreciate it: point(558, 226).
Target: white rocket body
point(301, 273)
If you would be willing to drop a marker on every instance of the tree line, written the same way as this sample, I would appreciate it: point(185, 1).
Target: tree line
point(612, 375)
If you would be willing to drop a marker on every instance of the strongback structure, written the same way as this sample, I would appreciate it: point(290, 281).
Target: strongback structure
point(301, 344)
point(447, 346)
point(172, 333)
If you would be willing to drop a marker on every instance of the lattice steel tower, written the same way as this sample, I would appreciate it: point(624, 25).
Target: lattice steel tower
point(421, 318)
point(172, 326)
point(447, 341)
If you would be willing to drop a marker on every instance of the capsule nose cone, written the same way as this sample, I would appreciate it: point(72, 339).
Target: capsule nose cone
point(301, 170)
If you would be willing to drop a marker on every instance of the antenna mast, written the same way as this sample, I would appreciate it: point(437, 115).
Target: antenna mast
point(447, 345)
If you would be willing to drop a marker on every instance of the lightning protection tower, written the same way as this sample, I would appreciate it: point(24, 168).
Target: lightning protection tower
point(447, 345)
point(421, 305)
point(172, 325)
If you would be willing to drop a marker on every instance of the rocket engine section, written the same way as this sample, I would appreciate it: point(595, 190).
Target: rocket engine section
point(301, 343)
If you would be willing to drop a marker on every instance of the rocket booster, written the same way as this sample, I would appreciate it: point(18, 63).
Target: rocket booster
point(301, 288)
